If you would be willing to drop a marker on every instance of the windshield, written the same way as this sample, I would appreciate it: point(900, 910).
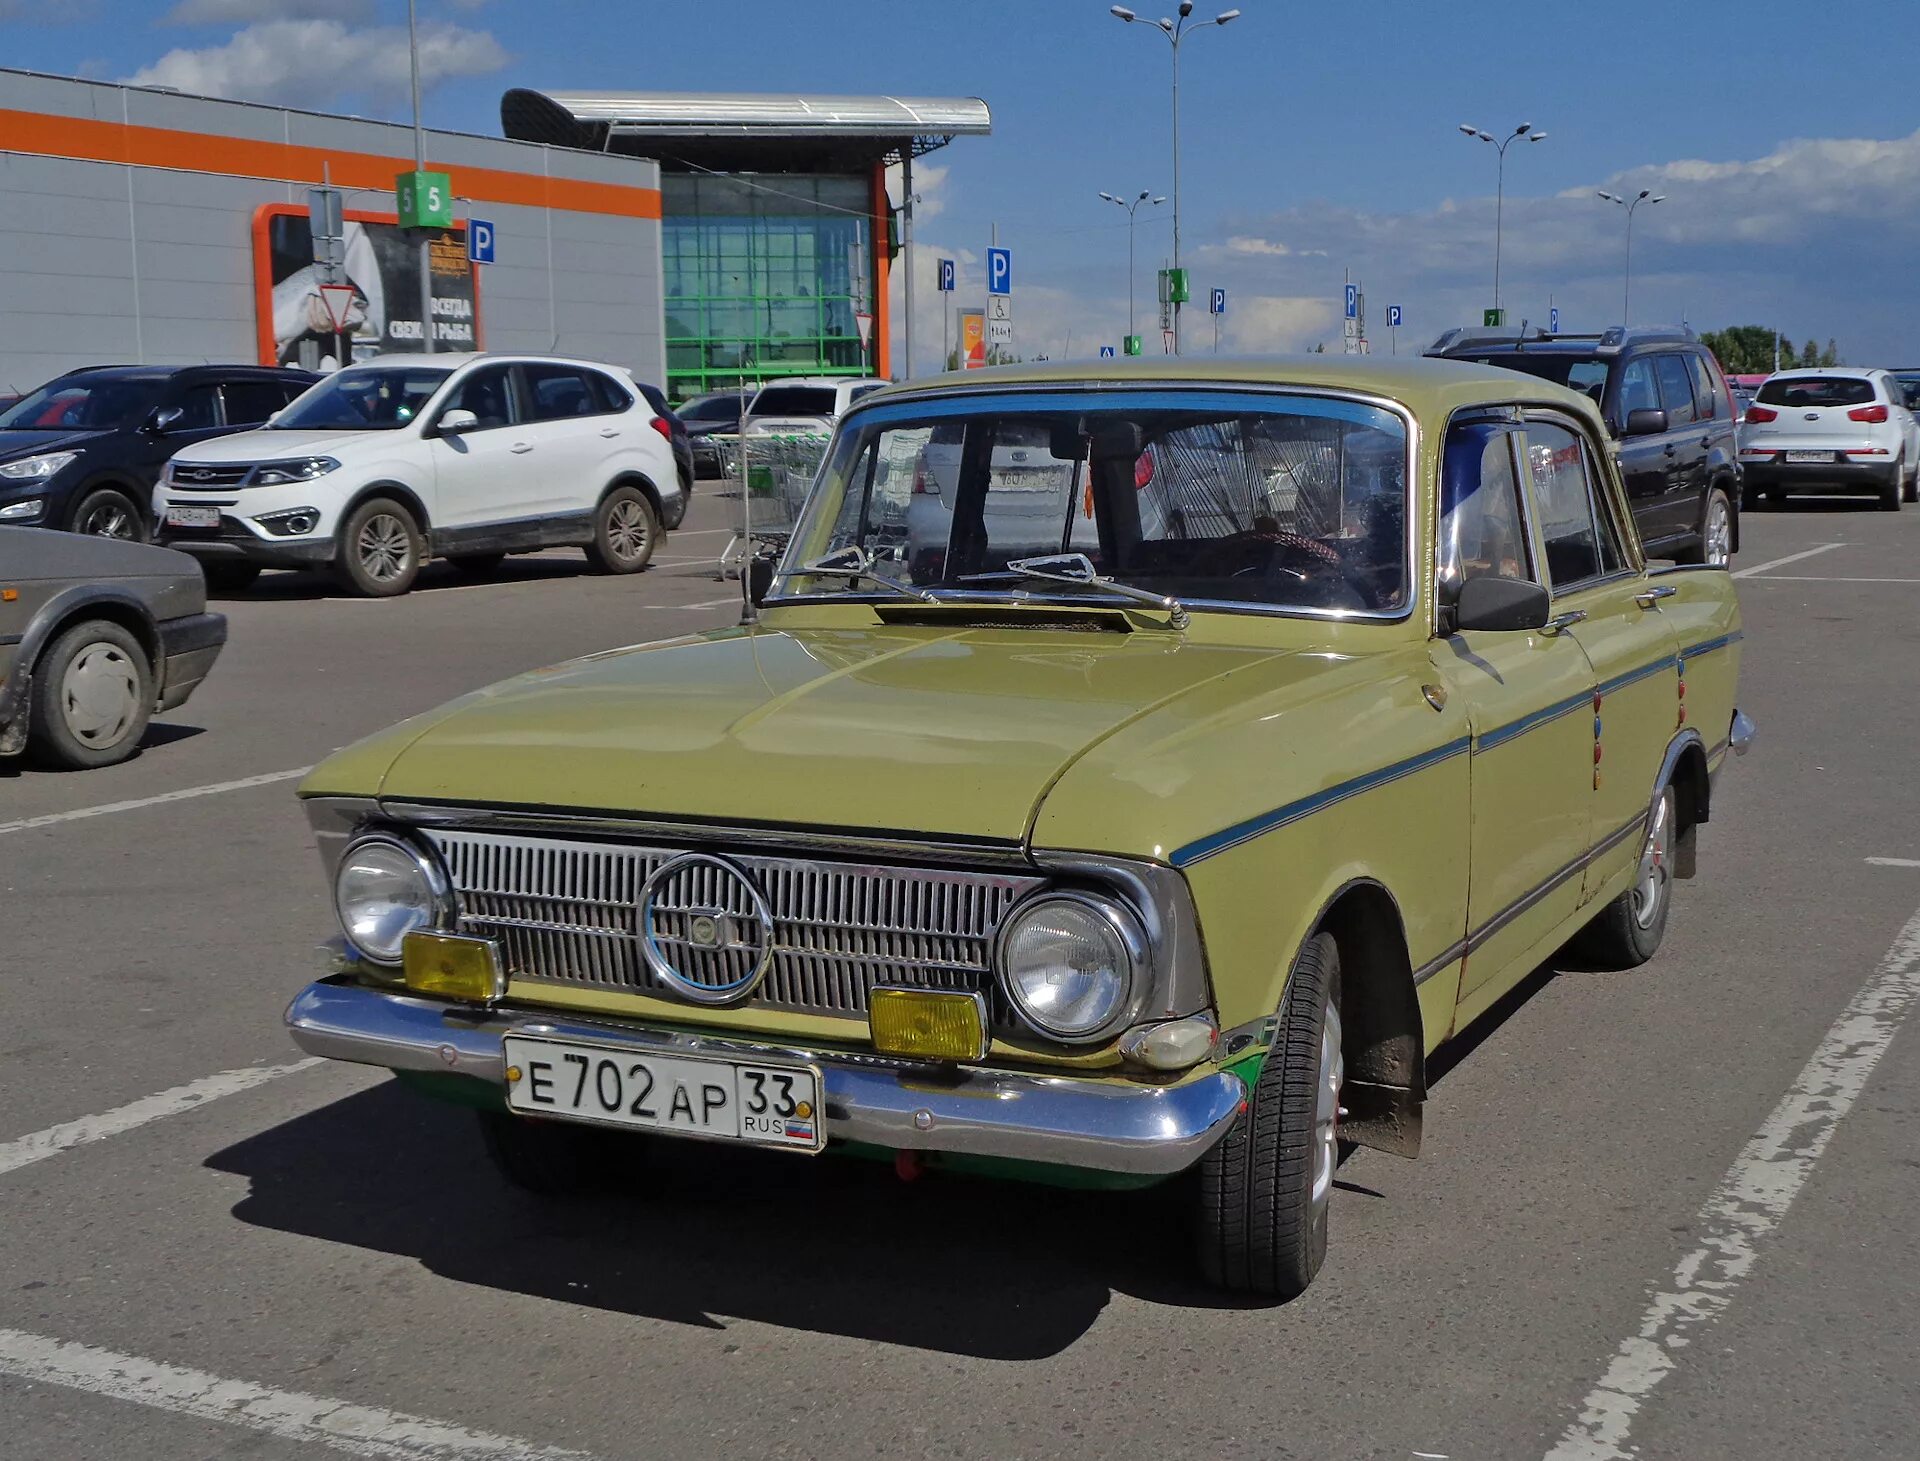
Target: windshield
point(794, 401)
point(82, 403)
point(1816, 390)
point(365, 398)
point(1292, 501)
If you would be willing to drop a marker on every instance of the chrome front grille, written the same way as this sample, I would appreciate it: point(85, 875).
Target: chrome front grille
point(568, 912)
point(203, 478)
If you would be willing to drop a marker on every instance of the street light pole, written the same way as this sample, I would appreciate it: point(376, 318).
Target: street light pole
point(420, 166)
point(1176, 31)
point(1132, 209)
point(1645, 195)
point(1525, 129)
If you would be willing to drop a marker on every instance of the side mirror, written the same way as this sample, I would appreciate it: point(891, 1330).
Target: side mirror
point(164, 420)
point(1645, 422)
point(1489, 602)
point(453, 422)
point(759, 579)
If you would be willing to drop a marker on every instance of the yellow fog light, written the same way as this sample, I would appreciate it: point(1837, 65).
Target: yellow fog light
point(452, 966)
point(929, 1024)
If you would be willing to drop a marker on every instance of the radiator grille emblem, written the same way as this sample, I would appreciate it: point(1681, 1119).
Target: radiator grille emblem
point(705, 929)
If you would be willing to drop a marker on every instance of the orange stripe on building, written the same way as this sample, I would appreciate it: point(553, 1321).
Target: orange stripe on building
point(84, 139)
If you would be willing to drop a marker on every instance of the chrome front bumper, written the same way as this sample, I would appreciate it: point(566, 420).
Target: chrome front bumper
point(1071, 1121)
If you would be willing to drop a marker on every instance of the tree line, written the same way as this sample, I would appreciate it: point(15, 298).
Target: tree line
point(1749, 350)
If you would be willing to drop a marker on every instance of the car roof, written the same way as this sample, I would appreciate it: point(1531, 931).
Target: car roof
point(825, 382)
point(1428, 386)
point(167, 372)
point(454, 359)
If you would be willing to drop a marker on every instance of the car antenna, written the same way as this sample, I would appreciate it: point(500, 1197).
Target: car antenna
point(1521, 344)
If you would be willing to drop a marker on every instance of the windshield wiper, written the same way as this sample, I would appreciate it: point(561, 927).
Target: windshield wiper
point(854, 563)
point(1078, 569)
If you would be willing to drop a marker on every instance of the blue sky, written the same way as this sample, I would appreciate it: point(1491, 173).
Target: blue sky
point(1316, 138)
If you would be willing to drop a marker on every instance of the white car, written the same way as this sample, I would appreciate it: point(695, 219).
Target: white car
point(403, 458)
point(805, 403)
point(1830, 430)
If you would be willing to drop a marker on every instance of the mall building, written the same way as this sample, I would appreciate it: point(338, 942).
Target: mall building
point(700, 240)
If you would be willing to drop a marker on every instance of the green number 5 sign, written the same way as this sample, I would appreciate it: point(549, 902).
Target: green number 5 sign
point(425, 199)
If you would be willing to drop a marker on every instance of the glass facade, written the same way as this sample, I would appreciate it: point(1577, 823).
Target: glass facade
point(764, 275)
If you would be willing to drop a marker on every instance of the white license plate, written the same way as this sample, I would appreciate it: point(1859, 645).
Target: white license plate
point(193, 517)
point(1027, 479)
point(1808, 456)
point(766, 1105)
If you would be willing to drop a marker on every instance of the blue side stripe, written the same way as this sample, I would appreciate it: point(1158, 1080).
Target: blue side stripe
point(1503, 733)
point(1707, 646)
point(1240, 832)
point(1618, 681)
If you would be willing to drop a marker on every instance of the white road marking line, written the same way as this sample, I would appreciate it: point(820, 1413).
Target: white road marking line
point(673, 533)
point(1790, 558)
point(1843, 578)
point(40, 1145)
point(1749, 1203)
point(702, 604)
point(106, 809)
point(359, 1430)
point(1894, 861)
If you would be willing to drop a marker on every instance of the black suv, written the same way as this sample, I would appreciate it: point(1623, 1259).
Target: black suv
point(1668, 405)
point(83, 452)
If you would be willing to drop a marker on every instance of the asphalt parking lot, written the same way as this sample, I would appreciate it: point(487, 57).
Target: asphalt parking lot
point(1666, 1213)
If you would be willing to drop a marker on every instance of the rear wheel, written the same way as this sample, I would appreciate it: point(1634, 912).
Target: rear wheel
point(110, 514)
point(230, 577)
point(1910, 492)
point(92, 696)
point(1893, 489)
point(1628, 930)
point(1715, 547)
point(477, 565)
point(625, 530)
point(1265, 1189)
point(380, 549)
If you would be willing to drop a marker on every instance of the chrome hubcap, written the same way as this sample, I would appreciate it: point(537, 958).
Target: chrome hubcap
point(1650, 887)
point(108, 520)
point(1326, 1110)
point(1719, 533)
point(385, 547)
point(100, 696)
point(627, 531)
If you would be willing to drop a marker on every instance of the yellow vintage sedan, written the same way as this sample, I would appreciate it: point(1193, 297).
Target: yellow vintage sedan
point(1130, 773)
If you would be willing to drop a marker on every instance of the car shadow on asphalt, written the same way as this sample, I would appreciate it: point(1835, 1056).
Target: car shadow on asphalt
point(300, 584)
point(158, 733)
point(702, 1233)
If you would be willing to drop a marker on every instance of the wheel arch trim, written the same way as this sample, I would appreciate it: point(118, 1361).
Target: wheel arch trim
point(71, 606)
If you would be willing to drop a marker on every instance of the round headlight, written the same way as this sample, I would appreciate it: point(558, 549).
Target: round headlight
point(383, 891)
point(1068, 963)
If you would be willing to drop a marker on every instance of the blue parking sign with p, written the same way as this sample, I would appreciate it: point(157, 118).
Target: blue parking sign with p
point(1393, 317)
point(479, 241)
point(1217, 302)
point(999, 271)
point(1553, 320)
point(946, 276)
point(1353, 301)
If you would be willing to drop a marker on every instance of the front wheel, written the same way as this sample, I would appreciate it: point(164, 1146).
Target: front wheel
point(92, 696)
point(1628, 931)
point(110, 514)
point(380, 549)
point(625, 530)
point(557, 1158)
point(1264, 1190)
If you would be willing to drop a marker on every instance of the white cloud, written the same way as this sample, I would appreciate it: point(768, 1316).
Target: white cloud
point(241, 12)
point(315, 63)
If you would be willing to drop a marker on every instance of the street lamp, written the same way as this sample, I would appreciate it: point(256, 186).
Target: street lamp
point(1645, 195)
point(1525, 129)
point(1132, 208)
point(1176, 31)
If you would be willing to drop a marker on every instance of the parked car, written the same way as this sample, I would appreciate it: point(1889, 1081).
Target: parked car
point(83, 451)
point(95, 636)
point(710, 415)
point(1666, 401)
point(404, 458)
point(676, 435)
point(806, 403)
point(1833, 430)
point(1173, 858)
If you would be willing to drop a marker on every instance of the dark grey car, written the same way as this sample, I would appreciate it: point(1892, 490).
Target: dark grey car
point(95, 635)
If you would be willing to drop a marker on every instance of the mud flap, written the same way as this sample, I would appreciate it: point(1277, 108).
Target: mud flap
point(1384, 1118)
point(13, 735)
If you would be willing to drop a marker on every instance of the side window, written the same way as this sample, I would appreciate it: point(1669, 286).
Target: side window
point(1482, 530)
point(1676, 390)
point(559, 391)
point(199, 409)
point(293, 390)
point(612, 397)
point(487, 393)
point(1706, 388)
point(1578, 532)
point(250, 402)
point(1637, 390)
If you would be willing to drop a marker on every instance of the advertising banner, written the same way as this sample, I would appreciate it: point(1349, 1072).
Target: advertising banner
point(295, 325)
point(973, 339)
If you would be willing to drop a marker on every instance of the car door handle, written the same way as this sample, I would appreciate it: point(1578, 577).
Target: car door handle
point(608, 431)
point(1647, 598)
point(521, 447)
point(1564, 621)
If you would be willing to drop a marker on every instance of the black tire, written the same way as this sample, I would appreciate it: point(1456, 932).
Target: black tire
point(380, 549)
point(1697, 551)
point(1891, 492)
point(625, 532)
point(230, 578)
point(109, 513)
point(92, 697)
point(1911, 492)
point(1259, 1227)
point(477, 565)
point(558, 1158)
point(1622, 936)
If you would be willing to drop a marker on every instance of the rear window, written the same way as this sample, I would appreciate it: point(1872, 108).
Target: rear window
point(1821, 390)
point(794, 401)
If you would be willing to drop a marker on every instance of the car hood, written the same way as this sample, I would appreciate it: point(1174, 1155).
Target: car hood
point(276, 446)
point(38, 554)
point(948, 732)
point(17, 444)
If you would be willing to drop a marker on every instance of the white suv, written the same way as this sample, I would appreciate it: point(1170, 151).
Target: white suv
point(403, 458)
point(1833, 430)
point(805, 403)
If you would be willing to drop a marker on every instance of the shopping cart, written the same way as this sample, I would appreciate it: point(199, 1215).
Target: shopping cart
point(779, 469)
